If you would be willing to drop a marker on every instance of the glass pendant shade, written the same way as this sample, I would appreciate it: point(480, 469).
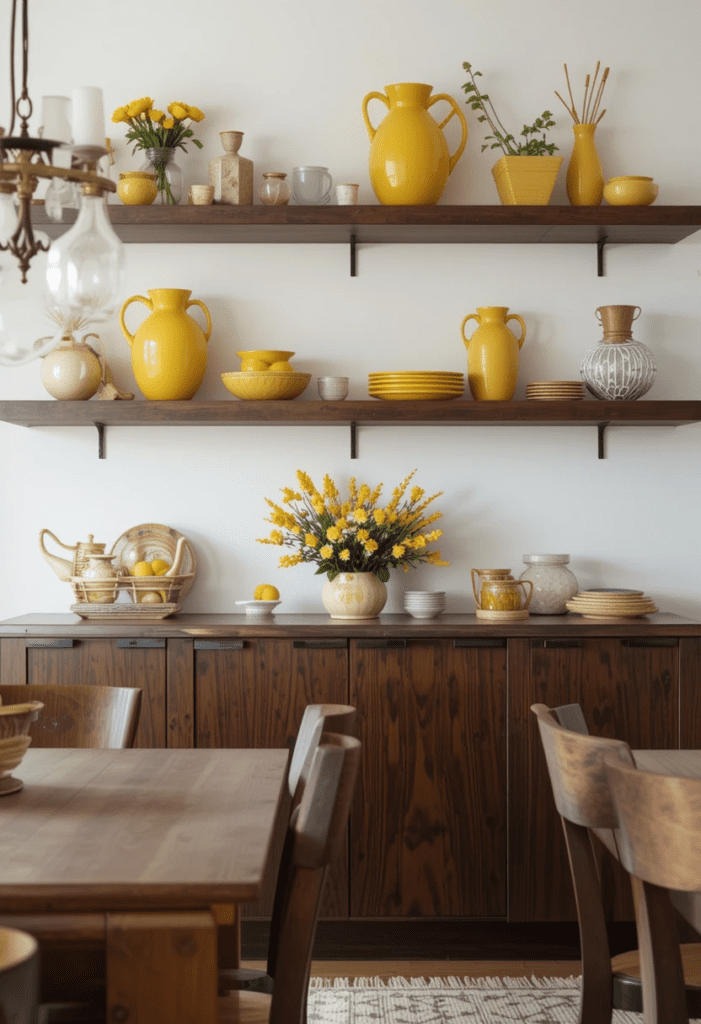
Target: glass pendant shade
point(26, 332)
point(8, 217)
point(86, 265)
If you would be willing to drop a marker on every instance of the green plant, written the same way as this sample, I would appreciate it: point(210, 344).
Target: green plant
point(502, 139)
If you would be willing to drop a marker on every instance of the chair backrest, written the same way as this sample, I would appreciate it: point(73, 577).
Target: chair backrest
point(317, 719)
point(576, 766)
point(19, 976)
point(80, 716)
point(314, 837)
point(659, 818)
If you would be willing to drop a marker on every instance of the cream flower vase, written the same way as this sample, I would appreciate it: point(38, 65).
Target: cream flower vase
point(354, 595)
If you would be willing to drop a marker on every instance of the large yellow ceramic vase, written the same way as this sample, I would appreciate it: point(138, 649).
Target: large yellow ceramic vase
point(409, 157)
point(492, 354)
point(169, 350)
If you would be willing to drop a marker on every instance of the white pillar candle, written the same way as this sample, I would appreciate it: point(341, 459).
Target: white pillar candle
point(88, 117)
point(56, 118)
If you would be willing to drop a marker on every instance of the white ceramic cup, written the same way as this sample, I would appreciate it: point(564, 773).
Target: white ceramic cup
point(346, 195)
point(201, 195)
point(311, 186)
point(332, 389)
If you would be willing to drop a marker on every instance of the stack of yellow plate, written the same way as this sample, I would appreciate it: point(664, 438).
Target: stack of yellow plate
point(611, 604)
point(416, 385)
point(555, 390)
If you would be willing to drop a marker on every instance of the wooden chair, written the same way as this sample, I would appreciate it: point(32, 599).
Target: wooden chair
point(314, 837)
point(659, 843)
point(316, 720)
point(580, 787)
point(19, 977)
point(80, 716)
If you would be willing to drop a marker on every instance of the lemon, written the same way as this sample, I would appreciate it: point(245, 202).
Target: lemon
point(266, 592)
point(142, 569)
point(254, 364)
point(159, 566)
point(282, 366)
point(150, 597)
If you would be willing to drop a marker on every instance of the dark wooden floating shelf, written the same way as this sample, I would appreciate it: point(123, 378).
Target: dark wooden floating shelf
point(351, 414)
point(395, 224)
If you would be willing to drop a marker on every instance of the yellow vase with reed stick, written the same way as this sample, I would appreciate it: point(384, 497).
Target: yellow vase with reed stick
point(585, 179)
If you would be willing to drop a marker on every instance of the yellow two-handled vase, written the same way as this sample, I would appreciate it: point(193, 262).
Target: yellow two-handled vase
point(169, 350)
point(492, 354)
point(409, 158)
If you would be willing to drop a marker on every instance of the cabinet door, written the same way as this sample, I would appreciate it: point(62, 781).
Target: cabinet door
point(428, 826)
point(98, 661)
point(628, 689)
point(252, 693)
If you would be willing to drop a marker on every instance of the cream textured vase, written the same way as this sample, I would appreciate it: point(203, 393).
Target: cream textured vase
point(354, 595)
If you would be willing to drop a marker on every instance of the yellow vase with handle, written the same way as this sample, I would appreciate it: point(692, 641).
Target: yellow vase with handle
point(409, 157)
point(492, 354)
point(169, 350)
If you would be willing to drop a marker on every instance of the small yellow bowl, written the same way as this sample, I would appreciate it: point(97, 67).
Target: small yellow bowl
point(261, 386)
point(630, 190)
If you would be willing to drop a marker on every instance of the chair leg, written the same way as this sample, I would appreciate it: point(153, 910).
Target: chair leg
point(596, 999)
point(664, 994)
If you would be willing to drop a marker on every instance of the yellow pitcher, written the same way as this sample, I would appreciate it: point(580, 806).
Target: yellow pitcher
point(409, 158)
point(169, 350)
point(492, 354)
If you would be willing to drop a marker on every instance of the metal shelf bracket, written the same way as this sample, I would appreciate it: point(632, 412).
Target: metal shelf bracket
point(353, 266)
point(353, 442)
point(100, 440)
point(600, 428)
point(601, 242)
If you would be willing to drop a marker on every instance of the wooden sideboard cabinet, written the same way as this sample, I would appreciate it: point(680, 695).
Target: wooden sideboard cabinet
point(428, 824)
point(453, 816)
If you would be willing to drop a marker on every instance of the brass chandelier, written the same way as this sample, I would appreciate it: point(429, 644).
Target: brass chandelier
point(24, 160)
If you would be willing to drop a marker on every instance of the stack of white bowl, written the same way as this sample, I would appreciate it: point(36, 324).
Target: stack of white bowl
point(424, 604)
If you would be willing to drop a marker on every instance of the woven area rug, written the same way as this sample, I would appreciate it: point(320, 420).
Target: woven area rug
point(448, 1001)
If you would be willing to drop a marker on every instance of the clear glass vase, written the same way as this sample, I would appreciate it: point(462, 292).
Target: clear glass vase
point(169, 177)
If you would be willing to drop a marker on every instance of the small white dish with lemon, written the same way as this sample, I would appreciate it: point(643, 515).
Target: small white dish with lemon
point(266, 598)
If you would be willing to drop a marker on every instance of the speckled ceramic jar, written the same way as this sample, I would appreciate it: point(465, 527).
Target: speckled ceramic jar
point(354, 595)
point(553, 583)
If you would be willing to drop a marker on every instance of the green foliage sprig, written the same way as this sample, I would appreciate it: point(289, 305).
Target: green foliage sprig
point(501, 138)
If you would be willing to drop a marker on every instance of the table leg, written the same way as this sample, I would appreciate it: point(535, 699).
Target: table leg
point(228, 918)
point(162, 967)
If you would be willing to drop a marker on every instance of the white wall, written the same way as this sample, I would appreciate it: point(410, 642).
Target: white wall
point(292, 77)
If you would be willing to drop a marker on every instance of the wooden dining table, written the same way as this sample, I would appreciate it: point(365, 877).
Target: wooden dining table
point(154, 840)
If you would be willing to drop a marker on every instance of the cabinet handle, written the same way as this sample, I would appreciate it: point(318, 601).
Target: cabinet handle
point(572, 642)
point(367, 644)
point(340, 644)
point(651, 641)
point(482, 641)
point(218, 645)
point(49, 642)
point(140, 642)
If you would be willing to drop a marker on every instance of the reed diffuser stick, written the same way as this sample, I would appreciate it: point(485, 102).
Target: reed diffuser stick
point(569, 88)
point(565, 106)
point(584, 101)
point(593, 86)
point(600, 116)
point(600, 93)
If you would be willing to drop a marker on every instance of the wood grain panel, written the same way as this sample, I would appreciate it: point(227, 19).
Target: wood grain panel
point(428, 826)
point(101, 662)
point(180, 694)
point(255, 697)
point(689, 693)
point(13, 661)
point(626, 692)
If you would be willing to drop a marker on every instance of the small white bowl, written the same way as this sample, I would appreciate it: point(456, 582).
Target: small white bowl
point(259, 609)
point(423, 613)
point(333, 389)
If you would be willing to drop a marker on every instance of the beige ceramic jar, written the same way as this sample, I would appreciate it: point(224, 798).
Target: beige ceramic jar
point(553, 583)
point(72, 371)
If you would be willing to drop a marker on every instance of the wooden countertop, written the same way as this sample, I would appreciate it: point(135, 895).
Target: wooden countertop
point(215, 625)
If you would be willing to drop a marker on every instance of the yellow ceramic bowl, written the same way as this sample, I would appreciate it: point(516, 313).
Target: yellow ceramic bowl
point(15, 720)
point(630, 190)
point(260, 386)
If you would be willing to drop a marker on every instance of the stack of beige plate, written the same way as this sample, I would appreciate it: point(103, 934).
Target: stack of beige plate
point(416, 385)
point(611, 604)
point(555, 390)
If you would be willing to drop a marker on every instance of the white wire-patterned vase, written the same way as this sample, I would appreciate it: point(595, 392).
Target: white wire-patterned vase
point(618, 368)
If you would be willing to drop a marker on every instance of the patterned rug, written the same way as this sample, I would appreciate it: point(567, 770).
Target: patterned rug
point(449, 1001)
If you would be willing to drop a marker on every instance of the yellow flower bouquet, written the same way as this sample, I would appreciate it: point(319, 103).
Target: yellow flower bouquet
point(356, 534)
point(152, 129)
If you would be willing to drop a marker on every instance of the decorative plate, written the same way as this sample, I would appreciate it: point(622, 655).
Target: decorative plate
point(149, 541)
